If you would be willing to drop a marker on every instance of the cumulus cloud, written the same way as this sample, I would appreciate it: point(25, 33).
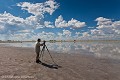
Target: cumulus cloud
point(39, 9)
point(48, 24)
point(24, 31)
point(103, 21)
point(7, 18)
point(85, 34)
point(106, 29)
point(1, 27)
point(24, 28)
point(61, 23)
point(44, 35)
point(10, 24)
point(97, 32)
point(90, 27)
point(76, 24)
point(107, 26)
point(60, 35)
point(67, 33)
point(77, 33)
point(16, 26)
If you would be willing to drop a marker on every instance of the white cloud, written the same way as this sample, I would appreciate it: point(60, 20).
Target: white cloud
point(24, 31)
point(97, 32)
point(20, 28)
point(106, 29)
point(44, 35)
point(90, 27)
point(103, 21)
point(60, 36)
point(1, 27)
point(39, 9)
point(67, 33)
point(48, 24)
point(10, 24)
point(7, 18)
point(107, 26)
point(85, 34)
point(76, 24)
point(77, 33)
point(61, 23)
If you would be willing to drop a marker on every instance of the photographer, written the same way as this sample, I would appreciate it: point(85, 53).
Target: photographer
point(37, 49)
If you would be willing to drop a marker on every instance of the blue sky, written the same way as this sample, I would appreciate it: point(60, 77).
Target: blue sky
point(59, 19)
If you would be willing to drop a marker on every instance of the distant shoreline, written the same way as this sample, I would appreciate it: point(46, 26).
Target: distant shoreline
point(63, 41)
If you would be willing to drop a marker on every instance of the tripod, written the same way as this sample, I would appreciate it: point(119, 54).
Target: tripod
point(42, 52)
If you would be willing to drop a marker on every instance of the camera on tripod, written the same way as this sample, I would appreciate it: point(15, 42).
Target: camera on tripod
point(44, 42)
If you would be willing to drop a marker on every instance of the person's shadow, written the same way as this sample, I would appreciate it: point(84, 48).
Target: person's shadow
point(52, 66)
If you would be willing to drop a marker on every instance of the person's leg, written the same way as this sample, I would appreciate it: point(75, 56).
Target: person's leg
point(37, 57)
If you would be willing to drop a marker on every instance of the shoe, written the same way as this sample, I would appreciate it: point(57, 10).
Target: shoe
point(38, 61)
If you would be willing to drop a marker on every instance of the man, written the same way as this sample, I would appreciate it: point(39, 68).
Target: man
point(37, 49)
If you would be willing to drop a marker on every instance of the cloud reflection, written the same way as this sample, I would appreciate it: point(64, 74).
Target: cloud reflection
point(97, 49)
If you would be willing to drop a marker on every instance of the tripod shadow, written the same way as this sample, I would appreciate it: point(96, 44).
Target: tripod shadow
point(52, 66)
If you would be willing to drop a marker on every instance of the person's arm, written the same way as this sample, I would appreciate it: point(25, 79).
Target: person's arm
point(42, 43)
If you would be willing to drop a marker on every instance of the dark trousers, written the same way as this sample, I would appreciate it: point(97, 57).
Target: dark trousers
point(37, 56)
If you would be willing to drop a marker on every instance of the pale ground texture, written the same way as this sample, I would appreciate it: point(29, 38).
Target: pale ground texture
point(19, 64)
